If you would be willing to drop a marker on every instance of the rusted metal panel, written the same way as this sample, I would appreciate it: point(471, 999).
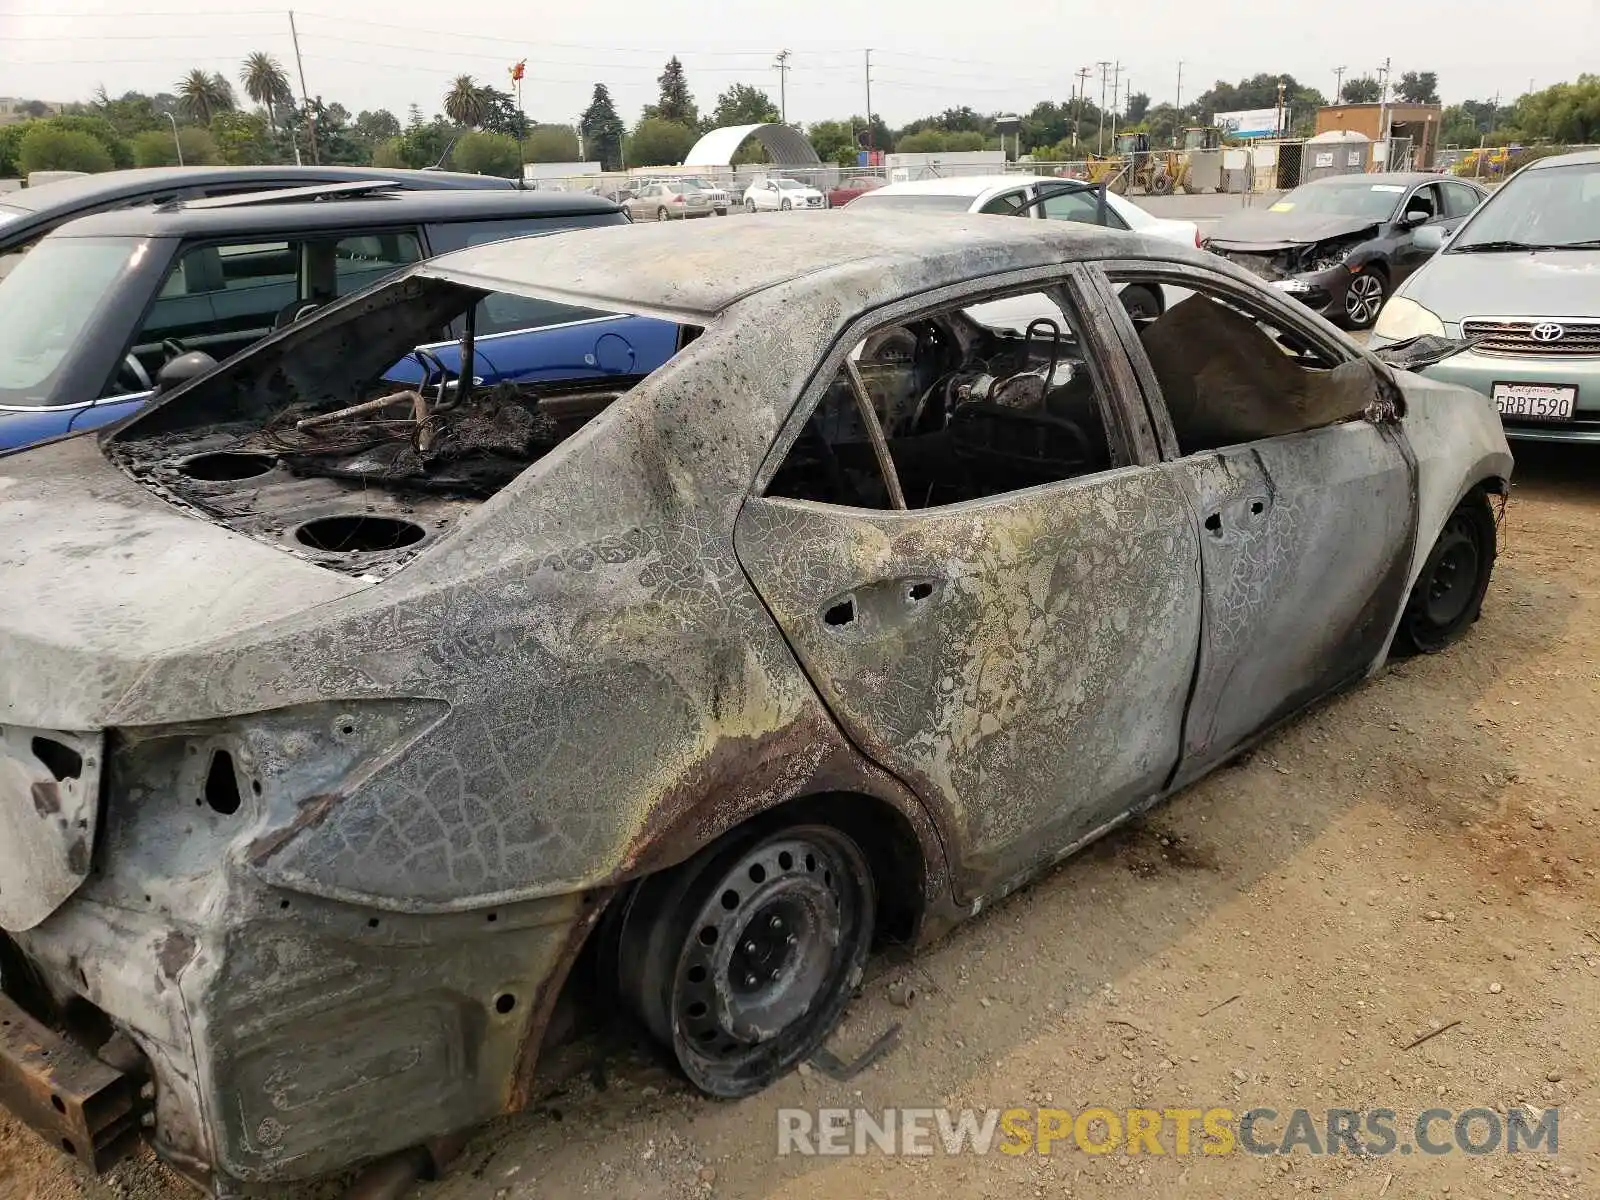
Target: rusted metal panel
point(72, 1100)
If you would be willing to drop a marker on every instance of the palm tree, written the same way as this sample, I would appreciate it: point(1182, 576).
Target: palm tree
point(267, 83)
point(464, 103)
point(202, 96)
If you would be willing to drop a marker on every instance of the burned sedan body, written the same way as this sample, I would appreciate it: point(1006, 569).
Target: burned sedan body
point(341, 719)
point(1342, 244)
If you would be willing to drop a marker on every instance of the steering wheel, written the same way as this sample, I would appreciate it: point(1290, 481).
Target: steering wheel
point(133, 369)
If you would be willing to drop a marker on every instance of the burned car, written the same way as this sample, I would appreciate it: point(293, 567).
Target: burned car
point(1342, 244)
point(353, 735)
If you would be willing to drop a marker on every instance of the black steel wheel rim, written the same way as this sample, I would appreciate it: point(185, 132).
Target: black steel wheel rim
point(770, 958)
point(1452, 577)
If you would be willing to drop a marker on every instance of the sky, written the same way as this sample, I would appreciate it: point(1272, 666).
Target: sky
point(926, 55)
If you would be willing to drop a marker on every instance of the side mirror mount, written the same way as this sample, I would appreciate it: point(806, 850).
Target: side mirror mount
point(1430, 238)
point(1414, 218)
point(180, 370)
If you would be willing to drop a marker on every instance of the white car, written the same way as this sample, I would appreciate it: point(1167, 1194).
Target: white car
point(1043, 197)
point(776, 194)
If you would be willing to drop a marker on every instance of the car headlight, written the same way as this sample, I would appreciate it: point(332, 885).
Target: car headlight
point(1402, 318)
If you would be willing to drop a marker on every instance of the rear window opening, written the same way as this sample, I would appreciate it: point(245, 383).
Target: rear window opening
point(363, 440)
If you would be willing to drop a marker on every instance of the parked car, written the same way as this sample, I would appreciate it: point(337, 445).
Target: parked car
point(334, 739)
point(717, 197)
point(670, 201)
point(849, 189)
point(1341, 245)
point(27, 215)
point(777, 194)
point(1520, 279)
point(100, 308)
point(1040, 197)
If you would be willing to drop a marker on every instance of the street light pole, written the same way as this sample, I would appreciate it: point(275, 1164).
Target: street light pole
point(177, 144)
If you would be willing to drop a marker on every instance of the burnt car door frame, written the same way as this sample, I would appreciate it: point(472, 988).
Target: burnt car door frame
point(1022, 661)
point(1300, 593)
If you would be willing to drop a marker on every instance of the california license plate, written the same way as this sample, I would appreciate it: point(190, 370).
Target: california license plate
point(1536, 401)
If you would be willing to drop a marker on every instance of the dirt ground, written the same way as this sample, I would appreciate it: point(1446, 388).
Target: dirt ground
point(1421, 852)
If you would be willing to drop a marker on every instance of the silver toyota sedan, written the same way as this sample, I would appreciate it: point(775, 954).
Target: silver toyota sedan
point(1523, 275)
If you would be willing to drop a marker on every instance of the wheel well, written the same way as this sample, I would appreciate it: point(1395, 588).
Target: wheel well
point(882, 831)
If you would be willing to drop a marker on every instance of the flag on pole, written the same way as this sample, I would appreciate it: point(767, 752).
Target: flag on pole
point(518, 71)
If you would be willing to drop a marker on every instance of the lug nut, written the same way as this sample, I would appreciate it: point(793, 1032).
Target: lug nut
point(148, 1120)
point(749, 981)
point(749, 947)
point(791, 940)
point(147, 1092)
point(776, 923)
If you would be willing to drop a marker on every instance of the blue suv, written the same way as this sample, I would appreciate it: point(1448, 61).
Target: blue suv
point(110, 309)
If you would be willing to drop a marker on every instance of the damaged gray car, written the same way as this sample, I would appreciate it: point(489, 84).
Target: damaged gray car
point(355, 735)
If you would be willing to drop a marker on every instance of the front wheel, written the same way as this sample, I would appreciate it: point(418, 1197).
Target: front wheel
point(1448, 594)
point(1363, 298)
point(750, 207)
point(663, 215)
point(785, 206)
point(742, 959)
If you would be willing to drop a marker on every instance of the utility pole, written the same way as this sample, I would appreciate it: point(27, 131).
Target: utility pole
point(1100, 134)
point(782, 64)
point(305, 96)
point(1383, 114)
point(870, 144)
point(1116, 87)
point(1082, 77)
point(1178, 103)
point(1338, 85)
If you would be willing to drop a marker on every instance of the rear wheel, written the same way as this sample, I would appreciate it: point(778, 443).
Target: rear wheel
point(742, 959)
point(750, 207)
point(663, 215)
point(1448, 594)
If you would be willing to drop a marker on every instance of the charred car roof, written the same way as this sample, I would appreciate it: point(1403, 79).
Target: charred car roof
point(179, 220)
point(676, 267)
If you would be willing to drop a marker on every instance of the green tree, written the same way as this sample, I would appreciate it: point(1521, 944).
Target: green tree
point(1258, 91)
point(923, 141)
point(676, 103)
point(154, 147)
point(834, 141)
point(657, 142)
point(391, 153)
point(1162, 123)
point(133, 113)
point(465, 103)
point(744, 104)
point(372, 128)
point(501, 114)
point(10, 149)
point(1135, 108)
point(242, 139)
point(602, 129)
point(1364, 89)
point(1567, 113)
point(31, 108)
point(1418, 87)
point(267, 83)
point(550, 144)
point(47, 147)
point(202, 96)
point(487, 154)
point(100, 129)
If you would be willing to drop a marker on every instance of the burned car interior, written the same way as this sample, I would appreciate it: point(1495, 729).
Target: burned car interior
point(968, 409)
point(319, 453)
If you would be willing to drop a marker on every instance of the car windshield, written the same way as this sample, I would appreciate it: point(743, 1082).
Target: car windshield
point(1357, 198)
point(1548, 207)
point(46, 303)
point(788, 185)
point(912, 202)
point(694, 181)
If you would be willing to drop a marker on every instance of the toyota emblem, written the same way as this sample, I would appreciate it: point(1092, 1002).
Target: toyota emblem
point(1548, 331)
